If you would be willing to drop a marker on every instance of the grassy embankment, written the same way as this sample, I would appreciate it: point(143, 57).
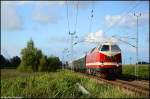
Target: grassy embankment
point(143, 71)
point(58, 84)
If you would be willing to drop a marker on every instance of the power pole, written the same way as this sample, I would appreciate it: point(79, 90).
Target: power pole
point(72, 36)
point(62, 59)
point(124, 61)
point(64, 52)
point(137, 40)
point(130, 60)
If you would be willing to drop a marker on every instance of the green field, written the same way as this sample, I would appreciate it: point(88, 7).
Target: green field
point(60, 84)
point(143, 71)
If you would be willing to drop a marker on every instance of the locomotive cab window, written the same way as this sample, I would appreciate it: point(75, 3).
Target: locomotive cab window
point(115, 48)
point(105, 48)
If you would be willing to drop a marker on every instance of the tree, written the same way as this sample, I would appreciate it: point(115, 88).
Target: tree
point(28, 54)
point(38, 55)
point(2, 61)
point(53, 63)
point(5, 63)
point(31, 56)
point(15, 61)
point(33, 60)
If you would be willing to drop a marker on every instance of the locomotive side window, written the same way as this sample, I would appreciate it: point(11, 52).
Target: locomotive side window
point(115, 48)
point(100, 47)
point(105, 48)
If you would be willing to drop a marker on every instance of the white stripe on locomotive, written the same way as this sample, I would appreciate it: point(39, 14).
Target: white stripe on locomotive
point(105, 63)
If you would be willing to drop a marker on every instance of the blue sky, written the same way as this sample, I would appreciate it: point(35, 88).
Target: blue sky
point(46, 23)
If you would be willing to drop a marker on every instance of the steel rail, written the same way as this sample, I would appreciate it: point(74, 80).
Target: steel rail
point(122, 84)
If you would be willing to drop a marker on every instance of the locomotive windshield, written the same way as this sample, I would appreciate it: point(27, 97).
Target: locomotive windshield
point(105, 48)
point(115, 48)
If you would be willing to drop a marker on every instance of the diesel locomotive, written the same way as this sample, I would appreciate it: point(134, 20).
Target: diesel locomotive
point(104, 59)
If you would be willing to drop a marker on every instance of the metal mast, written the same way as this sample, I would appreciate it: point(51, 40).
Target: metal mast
point(130, 60)
point(137, 40)
point(72, 37)
point(73, 33)
point(63, 57)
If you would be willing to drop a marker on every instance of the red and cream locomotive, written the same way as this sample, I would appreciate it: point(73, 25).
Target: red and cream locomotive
point(104, 59)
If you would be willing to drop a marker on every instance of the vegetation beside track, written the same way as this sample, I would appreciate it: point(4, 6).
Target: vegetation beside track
point(60, 84)
point(143, 71)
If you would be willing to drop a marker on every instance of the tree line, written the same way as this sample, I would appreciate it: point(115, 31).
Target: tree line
point(32, 59)
point(9, 63)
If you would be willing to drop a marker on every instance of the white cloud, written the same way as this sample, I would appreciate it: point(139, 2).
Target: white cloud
point(22, 2)
point(45, 18)
point(46, 12)
point(10, 19)
point(99, 36)
point(127, 21)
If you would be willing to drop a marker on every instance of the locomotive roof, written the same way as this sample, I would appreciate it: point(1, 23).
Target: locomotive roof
point(80, 57)
point(108, 43)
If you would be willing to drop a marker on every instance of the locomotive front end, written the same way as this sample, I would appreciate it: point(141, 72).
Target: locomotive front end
point(104, 59)
point(110, 57)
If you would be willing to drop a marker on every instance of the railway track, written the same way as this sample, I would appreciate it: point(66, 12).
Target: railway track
point(140, 89)
point(135, 87)
point(129, 86)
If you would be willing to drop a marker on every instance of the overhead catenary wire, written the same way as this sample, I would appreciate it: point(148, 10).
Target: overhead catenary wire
point(72, 34)
point(91, 17)
point(125, 42)
point(124, 15)
point(77, 7)
point(116, 23)
point(76, 17)
point(90, 20)
point(67, 16)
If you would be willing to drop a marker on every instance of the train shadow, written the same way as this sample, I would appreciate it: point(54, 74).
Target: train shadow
point(111, 78)
point(127, 77)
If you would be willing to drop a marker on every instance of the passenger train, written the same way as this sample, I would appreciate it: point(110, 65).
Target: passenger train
point(104, 59)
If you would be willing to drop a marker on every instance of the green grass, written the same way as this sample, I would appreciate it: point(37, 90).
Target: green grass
point(143, 71)
point(12, 73)
point(60, 84)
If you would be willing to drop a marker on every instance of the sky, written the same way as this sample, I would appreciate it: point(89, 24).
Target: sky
point(46, 22)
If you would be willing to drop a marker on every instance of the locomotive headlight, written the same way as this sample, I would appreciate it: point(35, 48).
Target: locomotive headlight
point(117, 64)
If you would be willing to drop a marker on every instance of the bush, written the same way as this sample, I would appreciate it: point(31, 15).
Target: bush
point(53, 63)
point(15, 61)
point(43, 64)
point(23, 68)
